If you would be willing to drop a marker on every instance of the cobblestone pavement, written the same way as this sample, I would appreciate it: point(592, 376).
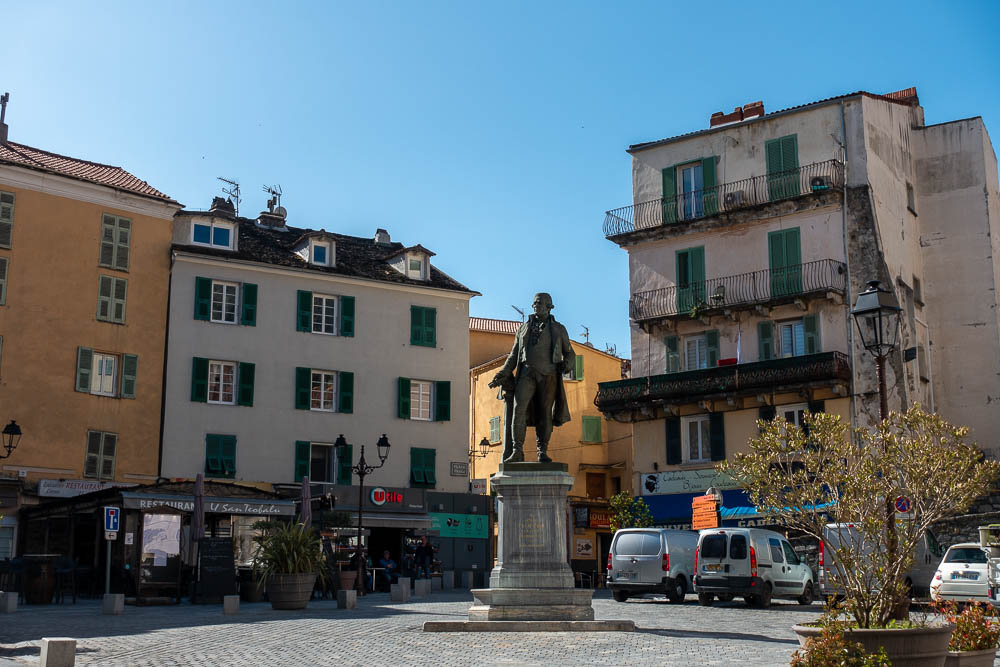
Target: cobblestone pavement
point(381, 632)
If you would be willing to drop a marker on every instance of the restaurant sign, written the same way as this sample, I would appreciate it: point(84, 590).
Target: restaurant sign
point(685, 481)
point(600, 518)
point(212, 505)
point(68, 488)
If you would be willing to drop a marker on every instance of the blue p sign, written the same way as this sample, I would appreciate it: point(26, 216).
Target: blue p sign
point(111, 516)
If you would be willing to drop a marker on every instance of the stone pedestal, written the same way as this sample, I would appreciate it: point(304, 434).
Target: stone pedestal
point(230, 605)
point(421, 587)
point(399, 592)
point(8, 603)
point(58, 652)
point(113, 604)
point(347, 599)
point(448, 580)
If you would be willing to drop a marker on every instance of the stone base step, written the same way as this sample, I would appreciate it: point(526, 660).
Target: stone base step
point(529, 626)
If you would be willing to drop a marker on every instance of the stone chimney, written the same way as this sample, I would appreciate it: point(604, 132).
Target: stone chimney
point(223, 207)
point(718, 118)
point(3, 113)
point(753, 110)
point(382, 236)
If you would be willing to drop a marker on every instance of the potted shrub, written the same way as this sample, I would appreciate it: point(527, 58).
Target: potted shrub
point(977, 634)
point(826, 474)
point(288, 559)
point(830, 647)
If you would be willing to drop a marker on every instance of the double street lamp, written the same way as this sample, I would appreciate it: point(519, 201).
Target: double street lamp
point(11, 436)
point(362, 470)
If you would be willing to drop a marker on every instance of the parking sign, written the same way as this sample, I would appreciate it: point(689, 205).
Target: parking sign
point(111, 516)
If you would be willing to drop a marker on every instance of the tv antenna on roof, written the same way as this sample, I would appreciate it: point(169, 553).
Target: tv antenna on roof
point(520, 312)
point(275, 200)
point(233, 191)
point(585, 334)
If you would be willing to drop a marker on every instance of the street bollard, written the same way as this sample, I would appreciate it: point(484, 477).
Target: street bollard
point(58, 652)
point(230, 605)
point(113, 604)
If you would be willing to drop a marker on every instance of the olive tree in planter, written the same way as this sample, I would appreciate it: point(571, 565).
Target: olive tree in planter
point(288, 558)
point(825, 474)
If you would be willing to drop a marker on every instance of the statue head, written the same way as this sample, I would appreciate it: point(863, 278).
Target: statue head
point(542, 304)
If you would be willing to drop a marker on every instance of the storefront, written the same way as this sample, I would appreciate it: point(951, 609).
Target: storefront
point(591, 540)
point(669, 494)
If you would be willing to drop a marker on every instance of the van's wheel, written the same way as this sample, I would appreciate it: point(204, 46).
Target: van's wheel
point(807, 594)
point(619, 596)
point(752, 600)
point(765, 598)
point(726, 597)
point(678, 591)
point(705, 599)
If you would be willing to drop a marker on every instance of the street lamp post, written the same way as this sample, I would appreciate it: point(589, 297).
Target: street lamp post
point(11, 436)
point(484, 450)
point(362, 470)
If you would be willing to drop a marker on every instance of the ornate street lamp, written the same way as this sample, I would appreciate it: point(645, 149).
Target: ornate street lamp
point(11, 436)
point(876, 314)
point(484, 451)
point(362, 470)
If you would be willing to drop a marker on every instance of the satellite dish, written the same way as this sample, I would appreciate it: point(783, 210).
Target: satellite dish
point(281, 212)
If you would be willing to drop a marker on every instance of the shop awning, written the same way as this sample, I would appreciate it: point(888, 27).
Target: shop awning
point(393, 520)
point(675, 508)
point(185, 503)
point(603, 466)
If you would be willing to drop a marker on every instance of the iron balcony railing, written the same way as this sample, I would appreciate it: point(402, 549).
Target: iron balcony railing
point(745, 289)
point(747, 379)
point(816, 177)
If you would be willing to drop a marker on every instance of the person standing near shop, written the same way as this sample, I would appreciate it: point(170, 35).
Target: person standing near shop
point(424, 556)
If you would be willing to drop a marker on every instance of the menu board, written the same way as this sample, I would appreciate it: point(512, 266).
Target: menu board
point(216, 569)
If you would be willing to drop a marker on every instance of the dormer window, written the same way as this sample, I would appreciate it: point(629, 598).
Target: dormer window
point(415, 268)
point(321, 254)
point(213, 234)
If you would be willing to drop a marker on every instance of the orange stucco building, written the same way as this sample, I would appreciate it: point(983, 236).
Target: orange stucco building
point(84, 276)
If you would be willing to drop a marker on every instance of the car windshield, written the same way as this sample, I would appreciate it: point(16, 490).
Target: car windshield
point(713, 546)
point(965, 555)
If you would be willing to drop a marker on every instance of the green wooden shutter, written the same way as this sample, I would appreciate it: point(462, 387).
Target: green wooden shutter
point(213, 455)
point(122, 244)
point(673, 440)
point(782, 156)
point(303, 454)
point(591, 429)
point(772, 151)
point(118, 300)
point(717, 435)
point(810, 325)
point(442, 401)
point(417, 467)
point(105, 287)
point(345, 392)
point(303, 318)
point(130, 369)
point(3, 280)
point(347, 316)
point(712, 345)
point(669, 177)
point(673, 353)
point(777, 260)
point(84, 366)
point(494, 429)
point(404, 398)
point(344, 457)
point(416, 325)
point(430, 327)
point(6, 219)
point(710, 198)
point(107, 254)
point(228, 455)
point(765, 341)
point(244, 395)
point(698, 274)
point(578, 361)
point(303, 378)
point(248, 315)
point(430, 475)
point(790, 152)
point(202, 298)
point(199, 380)
point(793, 261)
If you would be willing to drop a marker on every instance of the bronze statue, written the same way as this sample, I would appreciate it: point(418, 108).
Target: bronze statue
point(535, 395)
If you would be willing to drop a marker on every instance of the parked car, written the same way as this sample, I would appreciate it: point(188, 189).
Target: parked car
point(651, 560)
point(962, 574)
point(918, 578)
point(755, 563)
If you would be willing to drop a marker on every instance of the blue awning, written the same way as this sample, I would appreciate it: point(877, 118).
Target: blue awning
point(675, 508)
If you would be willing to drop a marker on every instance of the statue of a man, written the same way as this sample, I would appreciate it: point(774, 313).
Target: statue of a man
point(541, 354)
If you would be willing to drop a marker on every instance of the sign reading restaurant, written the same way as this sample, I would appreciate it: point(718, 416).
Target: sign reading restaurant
point(212, 505)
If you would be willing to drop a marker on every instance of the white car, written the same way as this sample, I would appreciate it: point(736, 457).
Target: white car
point(961, 574)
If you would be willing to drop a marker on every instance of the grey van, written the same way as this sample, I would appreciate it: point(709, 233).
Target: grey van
point(651, 560)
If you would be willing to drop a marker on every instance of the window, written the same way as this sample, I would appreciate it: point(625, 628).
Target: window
point(3, 280)
point(221, 382)
point(911, 201)
point(6, 542)
point(616, 486)
point(791, 557)
point(713, 546)
point(111, 299)
point(794, 414)
point(591, 429)
point(415, 267)
point(215, 234)
point(576, 372)
point(115, 240)
point(494, 430)
point(637, 544)
point(697, 443)
point(690, 278)
point(691, 191)
point(100, 458)
point(695, 353)
point(102, 378)
point(220, 455)
point(224, 302)
point(420, 399)
point(782, 156)
point(322, 463)
point(324, 314)
point(791, 339)
point(423, 326)
point(774, 546)
point(595, 485)
point(738, 547)
point(422, 472)
point(918, 292)
point(785, 261)
point(6, 218)
point(323, 391)
point(321, 253)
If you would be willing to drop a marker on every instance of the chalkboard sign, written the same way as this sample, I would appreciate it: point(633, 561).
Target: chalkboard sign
point(216, 569)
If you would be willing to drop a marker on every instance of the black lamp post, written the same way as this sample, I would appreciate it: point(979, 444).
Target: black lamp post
point(484, 450)
point(362, 470)
point(876, 314)
point(11, 436)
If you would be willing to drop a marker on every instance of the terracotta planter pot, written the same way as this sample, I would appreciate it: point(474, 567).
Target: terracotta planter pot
point(983, 658)
point(290, 591)
point(347, 579)
point(906, 647)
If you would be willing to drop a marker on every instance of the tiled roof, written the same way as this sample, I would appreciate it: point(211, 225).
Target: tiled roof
point(412, 248)
point(906, 97)
point(356, 256)
point(493, 326)
point(83, 170)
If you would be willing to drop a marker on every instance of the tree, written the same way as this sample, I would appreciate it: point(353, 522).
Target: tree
point(809, 478)
point(629, 512)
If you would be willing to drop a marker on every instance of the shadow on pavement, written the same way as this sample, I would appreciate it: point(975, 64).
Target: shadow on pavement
point(705, 634)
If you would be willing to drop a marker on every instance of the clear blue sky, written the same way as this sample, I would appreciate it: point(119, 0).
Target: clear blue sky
point(467, 127)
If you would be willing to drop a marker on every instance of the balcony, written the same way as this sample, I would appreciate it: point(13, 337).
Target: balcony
point(812, 179)
point(821, 278)
point(826, 369)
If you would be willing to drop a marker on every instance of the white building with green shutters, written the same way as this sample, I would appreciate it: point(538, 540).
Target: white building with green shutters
point(281, 339)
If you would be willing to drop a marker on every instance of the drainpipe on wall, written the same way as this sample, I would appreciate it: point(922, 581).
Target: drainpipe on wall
point(847, 264)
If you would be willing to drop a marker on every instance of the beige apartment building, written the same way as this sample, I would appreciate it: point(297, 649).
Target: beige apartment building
point(597, 451)
point(84, 273)
point(748, 244)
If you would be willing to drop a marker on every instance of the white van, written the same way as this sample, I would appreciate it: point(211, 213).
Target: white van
point(651, 560)
point(918, 578)
point(755, 563)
